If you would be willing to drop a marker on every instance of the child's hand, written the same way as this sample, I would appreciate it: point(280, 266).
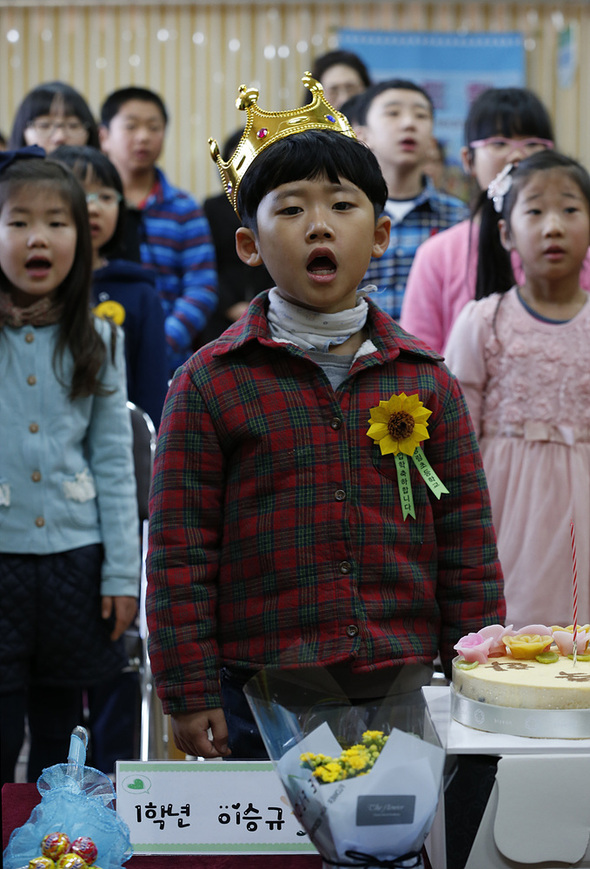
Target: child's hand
point(124, 609)
point(191, 736)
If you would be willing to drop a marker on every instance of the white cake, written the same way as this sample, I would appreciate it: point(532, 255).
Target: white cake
point(507, 681)
point(524, 684)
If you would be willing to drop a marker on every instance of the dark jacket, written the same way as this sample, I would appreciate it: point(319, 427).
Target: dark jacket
point(126, 293)
point(238, 282)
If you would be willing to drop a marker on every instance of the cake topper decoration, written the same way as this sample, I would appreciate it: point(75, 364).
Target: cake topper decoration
point(263, 128)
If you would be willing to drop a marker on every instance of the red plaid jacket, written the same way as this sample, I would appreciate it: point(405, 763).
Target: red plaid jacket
point(276, 532)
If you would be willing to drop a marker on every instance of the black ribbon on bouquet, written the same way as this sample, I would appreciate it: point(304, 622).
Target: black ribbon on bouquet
point(364, 861)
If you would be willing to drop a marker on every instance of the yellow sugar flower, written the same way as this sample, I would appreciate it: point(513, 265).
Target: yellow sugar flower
point(526, 645)
point(399, 424)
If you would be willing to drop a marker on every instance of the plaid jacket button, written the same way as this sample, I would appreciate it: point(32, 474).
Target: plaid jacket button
point(352, 631)
point(340, 495)
point(345, 567)
point(336, 423)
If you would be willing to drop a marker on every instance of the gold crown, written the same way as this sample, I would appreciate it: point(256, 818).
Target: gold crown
point(263, 128)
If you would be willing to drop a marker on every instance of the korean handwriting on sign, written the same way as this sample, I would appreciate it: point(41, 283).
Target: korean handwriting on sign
point(250, 817)
point(150, 812)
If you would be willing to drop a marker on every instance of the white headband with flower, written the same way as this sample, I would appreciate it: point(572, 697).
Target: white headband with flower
point(500, 187)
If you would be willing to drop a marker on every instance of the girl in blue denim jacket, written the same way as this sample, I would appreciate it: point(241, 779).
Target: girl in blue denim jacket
point(69, 556)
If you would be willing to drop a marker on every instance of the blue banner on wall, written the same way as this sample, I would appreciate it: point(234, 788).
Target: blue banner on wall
point(452, 67)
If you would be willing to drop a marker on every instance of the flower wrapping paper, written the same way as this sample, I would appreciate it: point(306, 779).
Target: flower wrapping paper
point(386, 813)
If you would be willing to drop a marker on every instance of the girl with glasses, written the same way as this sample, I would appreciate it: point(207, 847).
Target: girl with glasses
point(122, 290)
point(503, 127)
point(54, 114)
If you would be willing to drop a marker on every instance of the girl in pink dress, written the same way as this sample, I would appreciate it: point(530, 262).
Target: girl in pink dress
point(503, 125)
point(523, 360)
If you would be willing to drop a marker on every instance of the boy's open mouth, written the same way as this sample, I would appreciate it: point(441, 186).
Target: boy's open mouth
point(321, 264)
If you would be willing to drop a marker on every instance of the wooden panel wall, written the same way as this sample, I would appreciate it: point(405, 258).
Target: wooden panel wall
point(196, 54)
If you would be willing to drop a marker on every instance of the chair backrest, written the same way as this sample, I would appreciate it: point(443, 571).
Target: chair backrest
point(144, 447)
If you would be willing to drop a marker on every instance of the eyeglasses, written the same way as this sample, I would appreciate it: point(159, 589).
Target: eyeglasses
point(502, 144)
point(106, 198)
point(46, 129)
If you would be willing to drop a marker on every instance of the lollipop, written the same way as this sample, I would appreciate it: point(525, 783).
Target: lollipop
point(83, 800)
point(85, 848)
point(71, 861)
point(54, 845)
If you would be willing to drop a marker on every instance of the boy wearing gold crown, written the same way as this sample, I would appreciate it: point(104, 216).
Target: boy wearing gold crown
point(318, 496)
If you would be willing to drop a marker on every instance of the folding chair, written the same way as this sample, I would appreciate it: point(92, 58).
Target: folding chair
point(144, 447)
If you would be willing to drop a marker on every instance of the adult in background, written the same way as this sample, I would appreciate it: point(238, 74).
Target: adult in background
point(342, 74)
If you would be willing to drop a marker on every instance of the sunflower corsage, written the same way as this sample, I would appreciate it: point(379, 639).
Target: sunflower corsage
point(399, 425)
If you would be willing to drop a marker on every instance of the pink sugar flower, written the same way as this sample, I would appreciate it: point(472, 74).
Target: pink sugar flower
point(541, 630)
point(496, 632)
point(474, 647)
point(565, 641)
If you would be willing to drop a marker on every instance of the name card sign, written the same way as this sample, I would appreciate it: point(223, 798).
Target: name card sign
point(207, 807)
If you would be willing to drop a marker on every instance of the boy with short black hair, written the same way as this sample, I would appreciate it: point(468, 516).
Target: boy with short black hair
point(170, 225)
point(395, 119)
point(280, 532)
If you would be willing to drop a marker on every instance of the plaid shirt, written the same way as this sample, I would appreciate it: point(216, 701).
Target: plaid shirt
point(276, 532)
point(433, 211)
point(176, 245)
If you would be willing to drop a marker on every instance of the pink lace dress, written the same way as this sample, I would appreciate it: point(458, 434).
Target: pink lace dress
point(527, 384)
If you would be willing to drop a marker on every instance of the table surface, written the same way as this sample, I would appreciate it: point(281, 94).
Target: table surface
point(19, 800)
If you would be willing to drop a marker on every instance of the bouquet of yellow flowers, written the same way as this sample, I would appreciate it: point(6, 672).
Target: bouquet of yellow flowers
point(364, 780)
point(356, 760)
